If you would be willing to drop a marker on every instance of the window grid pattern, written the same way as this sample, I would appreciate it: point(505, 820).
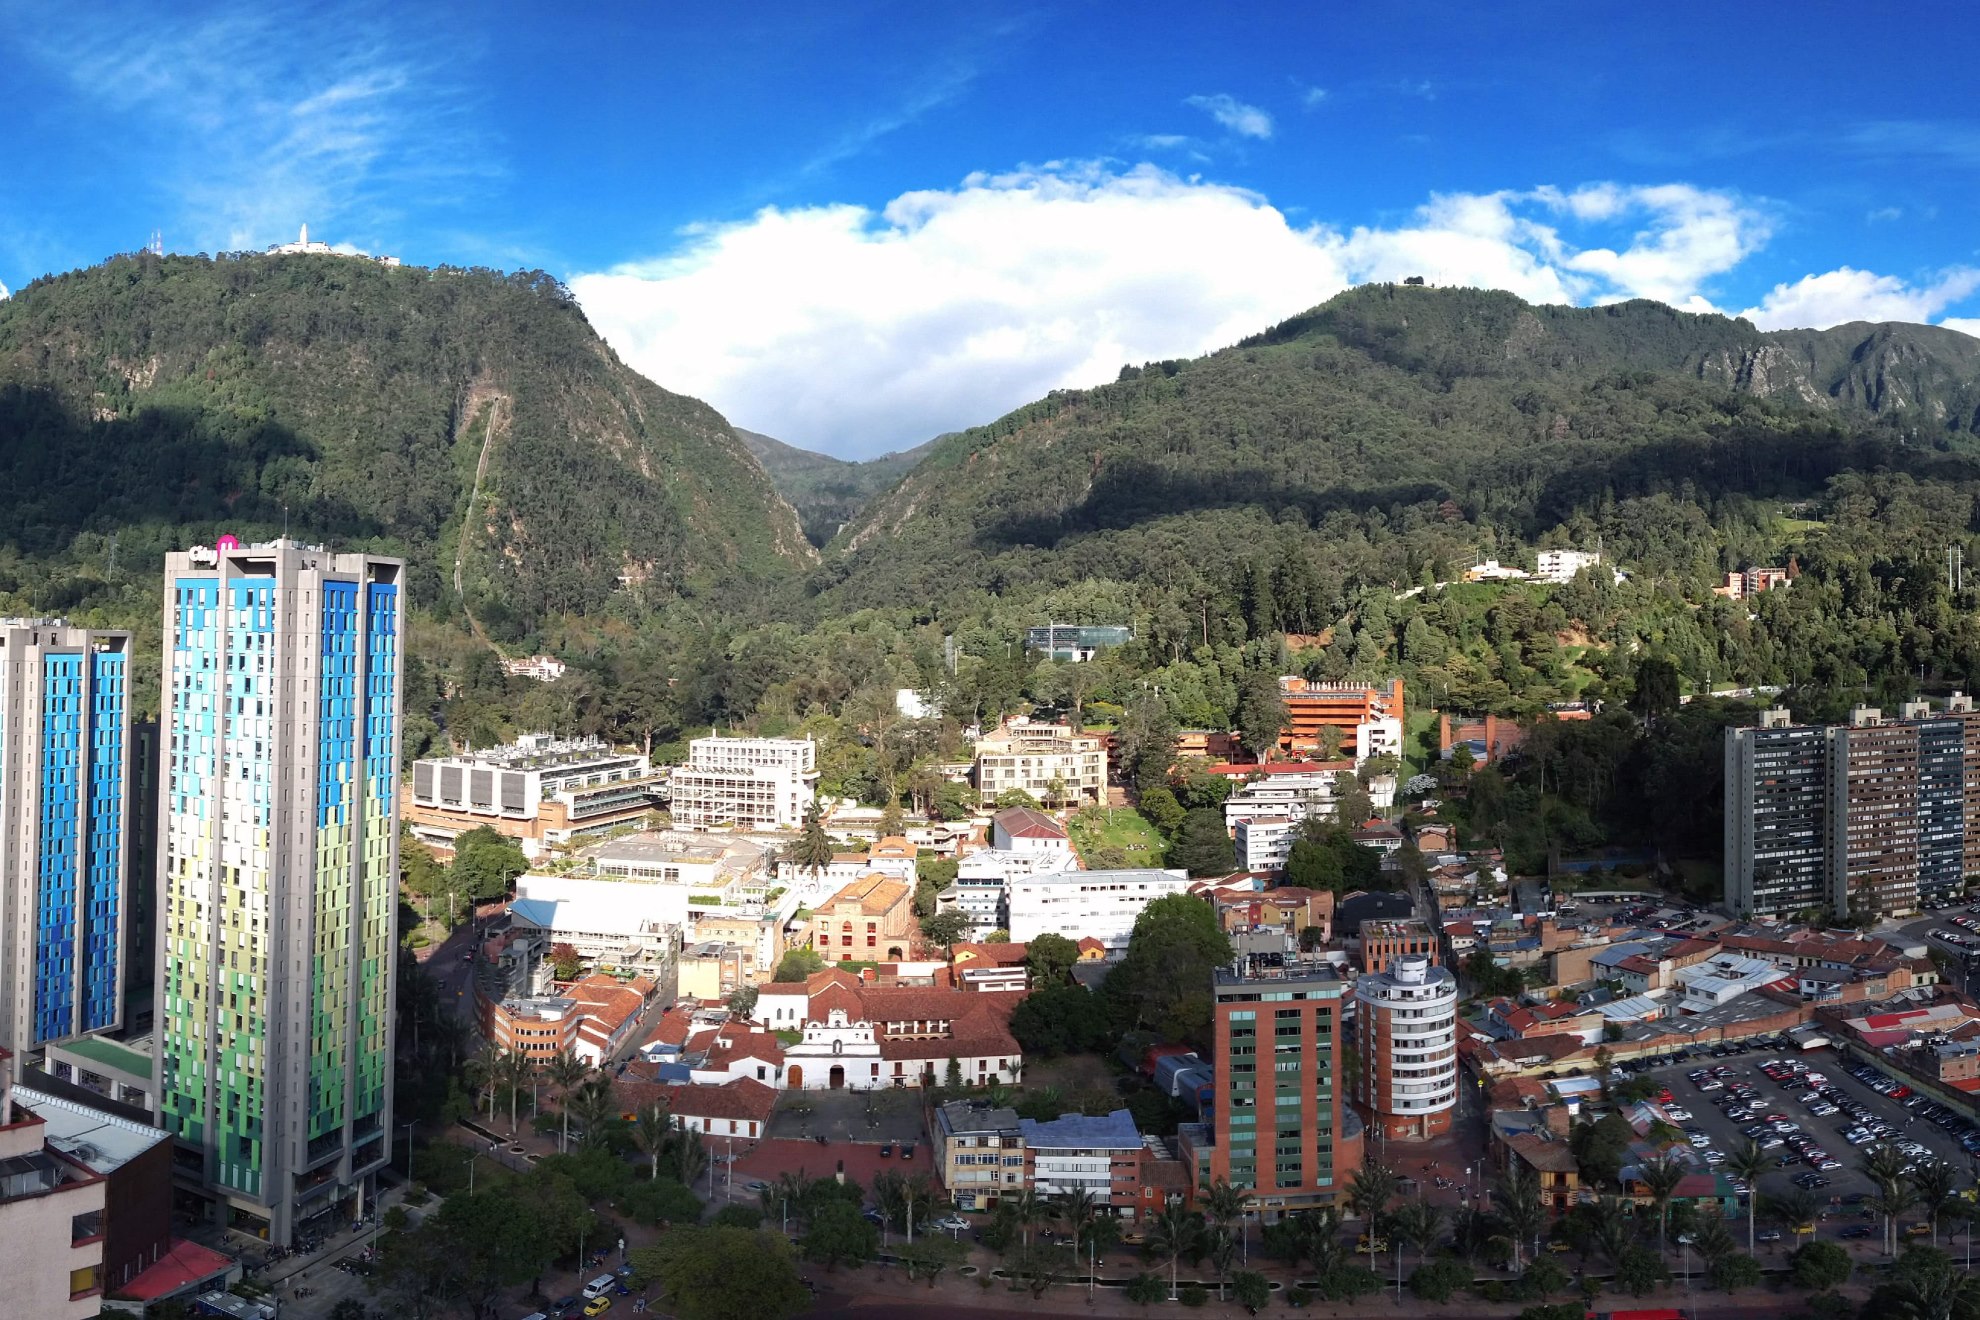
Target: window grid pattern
point(58, 846)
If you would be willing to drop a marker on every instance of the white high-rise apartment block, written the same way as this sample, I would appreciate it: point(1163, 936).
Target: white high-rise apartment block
point(1406, 1025)
point(744, 783)
point(278, 878)
point(1076, 904)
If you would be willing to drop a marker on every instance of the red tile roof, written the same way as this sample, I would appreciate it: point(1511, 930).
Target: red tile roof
point(182, 1264)
point(997, 955)
point(742, 1098)
point(1024, 823)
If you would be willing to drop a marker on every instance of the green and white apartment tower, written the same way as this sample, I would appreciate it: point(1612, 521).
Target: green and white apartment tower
point(278, 866)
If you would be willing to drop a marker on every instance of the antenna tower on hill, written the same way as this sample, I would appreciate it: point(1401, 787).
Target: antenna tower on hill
point(156, 247)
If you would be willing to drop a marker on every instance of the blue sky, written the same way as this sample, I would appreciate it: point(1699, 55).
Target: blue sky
point(856, 225)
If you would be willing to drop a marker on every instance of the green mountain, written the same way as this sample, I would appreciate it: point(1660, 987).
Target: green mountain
point(828, 492)
point(1400, 422)
point(468, 419)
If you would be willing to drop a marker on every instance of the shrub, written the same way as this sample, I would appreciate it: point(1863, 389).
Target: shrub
point(1194, 1294)
point(1819, 1266)
point(1298, 1296)
point(1251, 1289)
point(1436, 1281)
point(1144, 1289)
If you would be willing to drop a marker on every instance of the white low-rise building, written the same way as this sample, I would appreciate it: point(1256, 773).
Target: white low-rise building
point(744, 783)
point(1023, 830)
point(1560, 566)
point(1078, 904)
point(1292, 796)
point(978, 894)
point(1265, 842)
point(1715, 981)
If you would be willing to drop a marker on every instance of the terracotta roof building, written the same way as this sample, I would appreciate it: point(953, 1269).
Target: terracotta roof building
point(870, 920)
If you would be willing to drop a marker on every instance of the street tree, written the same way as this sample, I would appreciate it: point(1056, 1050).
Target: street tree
point(718, 1273)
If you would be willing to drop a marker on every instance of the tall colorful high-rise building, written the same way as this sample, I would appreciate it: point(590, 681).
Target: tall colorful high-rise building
point(65, 728)
point(278, 866)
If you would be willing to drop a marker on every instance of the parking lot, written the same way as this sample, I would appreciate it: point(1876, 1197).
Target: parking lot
point(1705, 1111)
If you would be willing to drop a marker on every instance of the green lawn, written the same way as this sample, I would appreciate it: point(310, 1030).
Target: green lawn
point(1417, 720)
point(1123, 828)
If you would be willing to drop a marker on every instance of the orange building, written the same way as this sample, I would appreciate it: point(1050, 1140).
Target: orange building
point(1346, 707)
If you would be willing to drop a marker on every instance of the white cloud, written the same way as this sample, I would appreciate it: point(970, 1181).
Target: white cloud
point(1313, 97)
point(1883, 213)
point(1241, 119)
point(855, 331)
point(1847, 294)
point(4, 293)
point(1966, 325)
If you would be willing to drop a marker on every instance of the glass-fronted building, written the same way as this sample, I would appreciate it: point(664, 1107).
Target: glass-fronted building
point(278, 869)
point(65, 730)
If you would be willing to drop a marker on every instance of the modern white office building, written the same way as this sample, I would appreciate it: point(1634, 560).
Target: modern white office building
point(65, 736)
point(1078, 904)
point(744, 783)
point(542, 791)
point(278, 878)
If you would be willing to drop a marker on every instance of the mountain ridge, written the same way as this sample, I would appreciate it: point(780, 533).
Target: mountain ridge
point(1398, 398)
point(470, 419)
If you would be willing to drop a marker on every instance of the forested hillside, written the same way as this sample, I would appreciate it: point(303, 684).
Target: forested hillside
point(467, 419)
point(1401, 407)
point(1304, 502)
point(828, 492)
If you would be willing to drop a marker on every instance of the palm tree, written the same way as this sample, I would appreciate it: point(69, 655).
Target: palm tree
point(1612, 1227)
point(1712, 1241)
point(1078, 1210)
point(688, 1157)
point(1892, 1203)
point(1470, 1230)
point(1369, 1193)
point(1223, 1244)
point(1029, 1209)
point(1175, 1232)
point(479, 1074)
point(565, 1072)
point(1935, 1183)
point(1660, 1178)
point(1885, 1169)
point(1935, 1295)
point(1224, 1205)
point(787, 1189)
point(918, 1201)
point(511, 1070)
point(1417, 1223)
point(651, 1131)
point(1797, 1209)
point(1518, 1196)
point(592, 1104)
point(1747, 1162)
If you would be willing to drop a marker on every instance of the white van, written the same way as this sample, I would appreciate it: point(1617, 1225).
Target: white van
point(599, 1286)
point(536, 1315)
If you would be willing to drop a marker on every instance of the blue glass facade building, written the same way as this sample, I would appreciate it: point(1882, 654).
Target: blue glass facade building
point(65, 724)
